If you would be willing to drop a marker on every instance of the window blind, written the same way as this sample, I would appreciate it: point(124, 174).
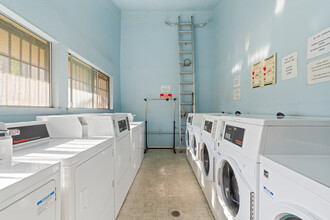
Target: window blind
point(24, 66)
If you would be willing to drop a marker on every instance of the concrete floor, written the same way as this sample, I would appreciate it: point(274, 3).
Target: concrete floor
point(165, 182)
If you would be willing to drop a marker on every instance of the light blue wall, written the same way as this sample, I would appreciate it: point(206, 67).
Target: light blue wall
point(250, 31)
point(89, 28)
point(149, 58)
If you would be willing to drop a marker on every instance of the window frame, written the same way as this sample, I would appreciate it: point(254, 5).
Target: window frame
point(21, 25)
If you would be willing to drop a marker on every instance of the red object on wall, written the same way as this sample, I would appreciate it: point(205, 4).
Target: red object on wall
point(166, 96)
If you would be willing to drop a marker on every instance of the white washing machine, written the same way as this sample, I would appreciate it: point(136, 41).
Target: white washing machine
point(243, 141)
point(295, 187)
point(30, 191)
point(141, 145)
point(117, 125)
point(87, 165)
point(135, 134)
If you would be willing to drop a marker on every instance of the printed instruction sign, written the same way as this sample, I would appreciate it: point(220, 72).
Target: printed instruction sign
point(165, 89)
point(263, 73)
point(237, 94)
point(319, 44)
point(290, 66)
point(237, 81)
point(318, 71)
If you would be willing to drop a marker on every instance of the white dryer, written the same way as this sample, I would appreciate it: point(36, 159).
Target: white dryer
point(135, 134)
point(196, 135)
point(87, 165)
point(189, 133)
point(243, 141)
point(208, 145)
point(30, 191)
point(295, 187)
point(141, 145)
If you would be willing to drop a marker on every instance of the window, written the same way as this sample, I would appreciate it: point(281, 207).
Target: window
point(24, 66)
point(88, 87)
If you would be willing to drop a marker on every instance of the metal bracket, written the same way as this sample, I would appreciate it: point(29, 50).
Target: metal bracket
point(196, 25)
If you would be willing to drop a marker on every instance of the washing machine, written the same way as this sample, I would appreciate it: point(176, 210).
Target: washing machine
point(244, 139)
point(135, 135)
point(30, 191)
point(27, 190)
point(116, 125)
point(141, 145)
point(295, 187)
point(87, 165)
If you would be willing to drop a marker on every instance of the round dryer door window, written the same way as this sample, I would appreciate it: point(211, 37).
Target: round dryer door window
point(230, 188)
point(187, 138)
point(194, 145)
point(206, 160)
point(290, 217)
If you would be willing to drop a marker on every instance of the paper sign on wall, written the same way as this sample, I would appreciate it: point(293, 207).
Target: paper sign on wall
point(237, 94)
point(264, 72)
point(318, 71)
point(290, 66)
point(319, 44)
point(165, 88)
point(237, 81)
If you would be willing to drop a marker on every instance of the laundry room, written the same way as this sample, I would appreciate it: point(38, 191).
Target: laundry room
point(154, 110)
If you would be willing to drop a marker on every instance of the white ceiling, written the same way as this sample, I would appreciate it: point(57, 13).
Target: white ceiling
point(166, 5)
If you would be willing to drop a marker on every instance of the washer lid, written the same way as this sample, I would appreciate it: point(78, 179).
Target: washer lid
point(67, 151)
point(16, 177)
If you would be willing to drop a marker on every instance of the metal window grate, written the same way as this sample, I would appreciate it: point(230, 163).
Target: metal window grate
point(88, 87)
point(24, 66)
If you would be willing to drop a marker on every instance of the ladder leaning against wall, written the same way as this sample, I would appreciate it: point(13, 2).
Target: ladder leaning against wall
point(186, 71)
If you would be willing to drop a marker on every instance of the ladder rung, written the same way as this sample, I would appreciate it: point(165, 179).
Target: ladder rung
point(185, 42)
point(183, 125)
point(185, 32)
point(186, 83)
point(185, 24)
point(185, 52)
point(186, 93)
point(182, 63)
point(185, 73)
point(186, 103)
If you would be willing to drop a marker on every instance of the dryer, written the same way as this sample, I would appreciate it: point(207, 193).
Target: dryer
point(208, 145)
point(196, 134)
point(189, 134)
point(243, 141)
point(295, 187)
point(87, 164)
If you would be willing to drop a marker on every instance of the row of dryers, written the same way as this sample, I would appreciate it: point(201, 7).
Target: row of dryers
point(69, 167)
point(261, 167)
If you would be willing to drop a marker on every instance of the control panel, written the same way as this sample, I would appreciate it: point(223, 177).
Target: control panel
point(28, 133)
point(234, 135)
point(190, 120)
point(208, 126)
point(122, 124)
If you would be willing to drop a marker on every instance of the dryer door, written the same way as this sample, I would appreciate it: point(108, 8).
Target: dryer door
point(290, 217)
point(194, 147)
point(187, 138)
point(237, 195)
point(206, 159)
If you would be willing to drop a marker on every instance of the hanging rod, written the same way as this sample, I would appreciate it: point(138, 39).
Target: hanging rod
point(196, 26)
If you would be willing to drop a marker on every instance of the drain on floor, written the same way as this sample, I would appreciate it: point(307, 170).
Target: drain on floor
point(176, 213)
